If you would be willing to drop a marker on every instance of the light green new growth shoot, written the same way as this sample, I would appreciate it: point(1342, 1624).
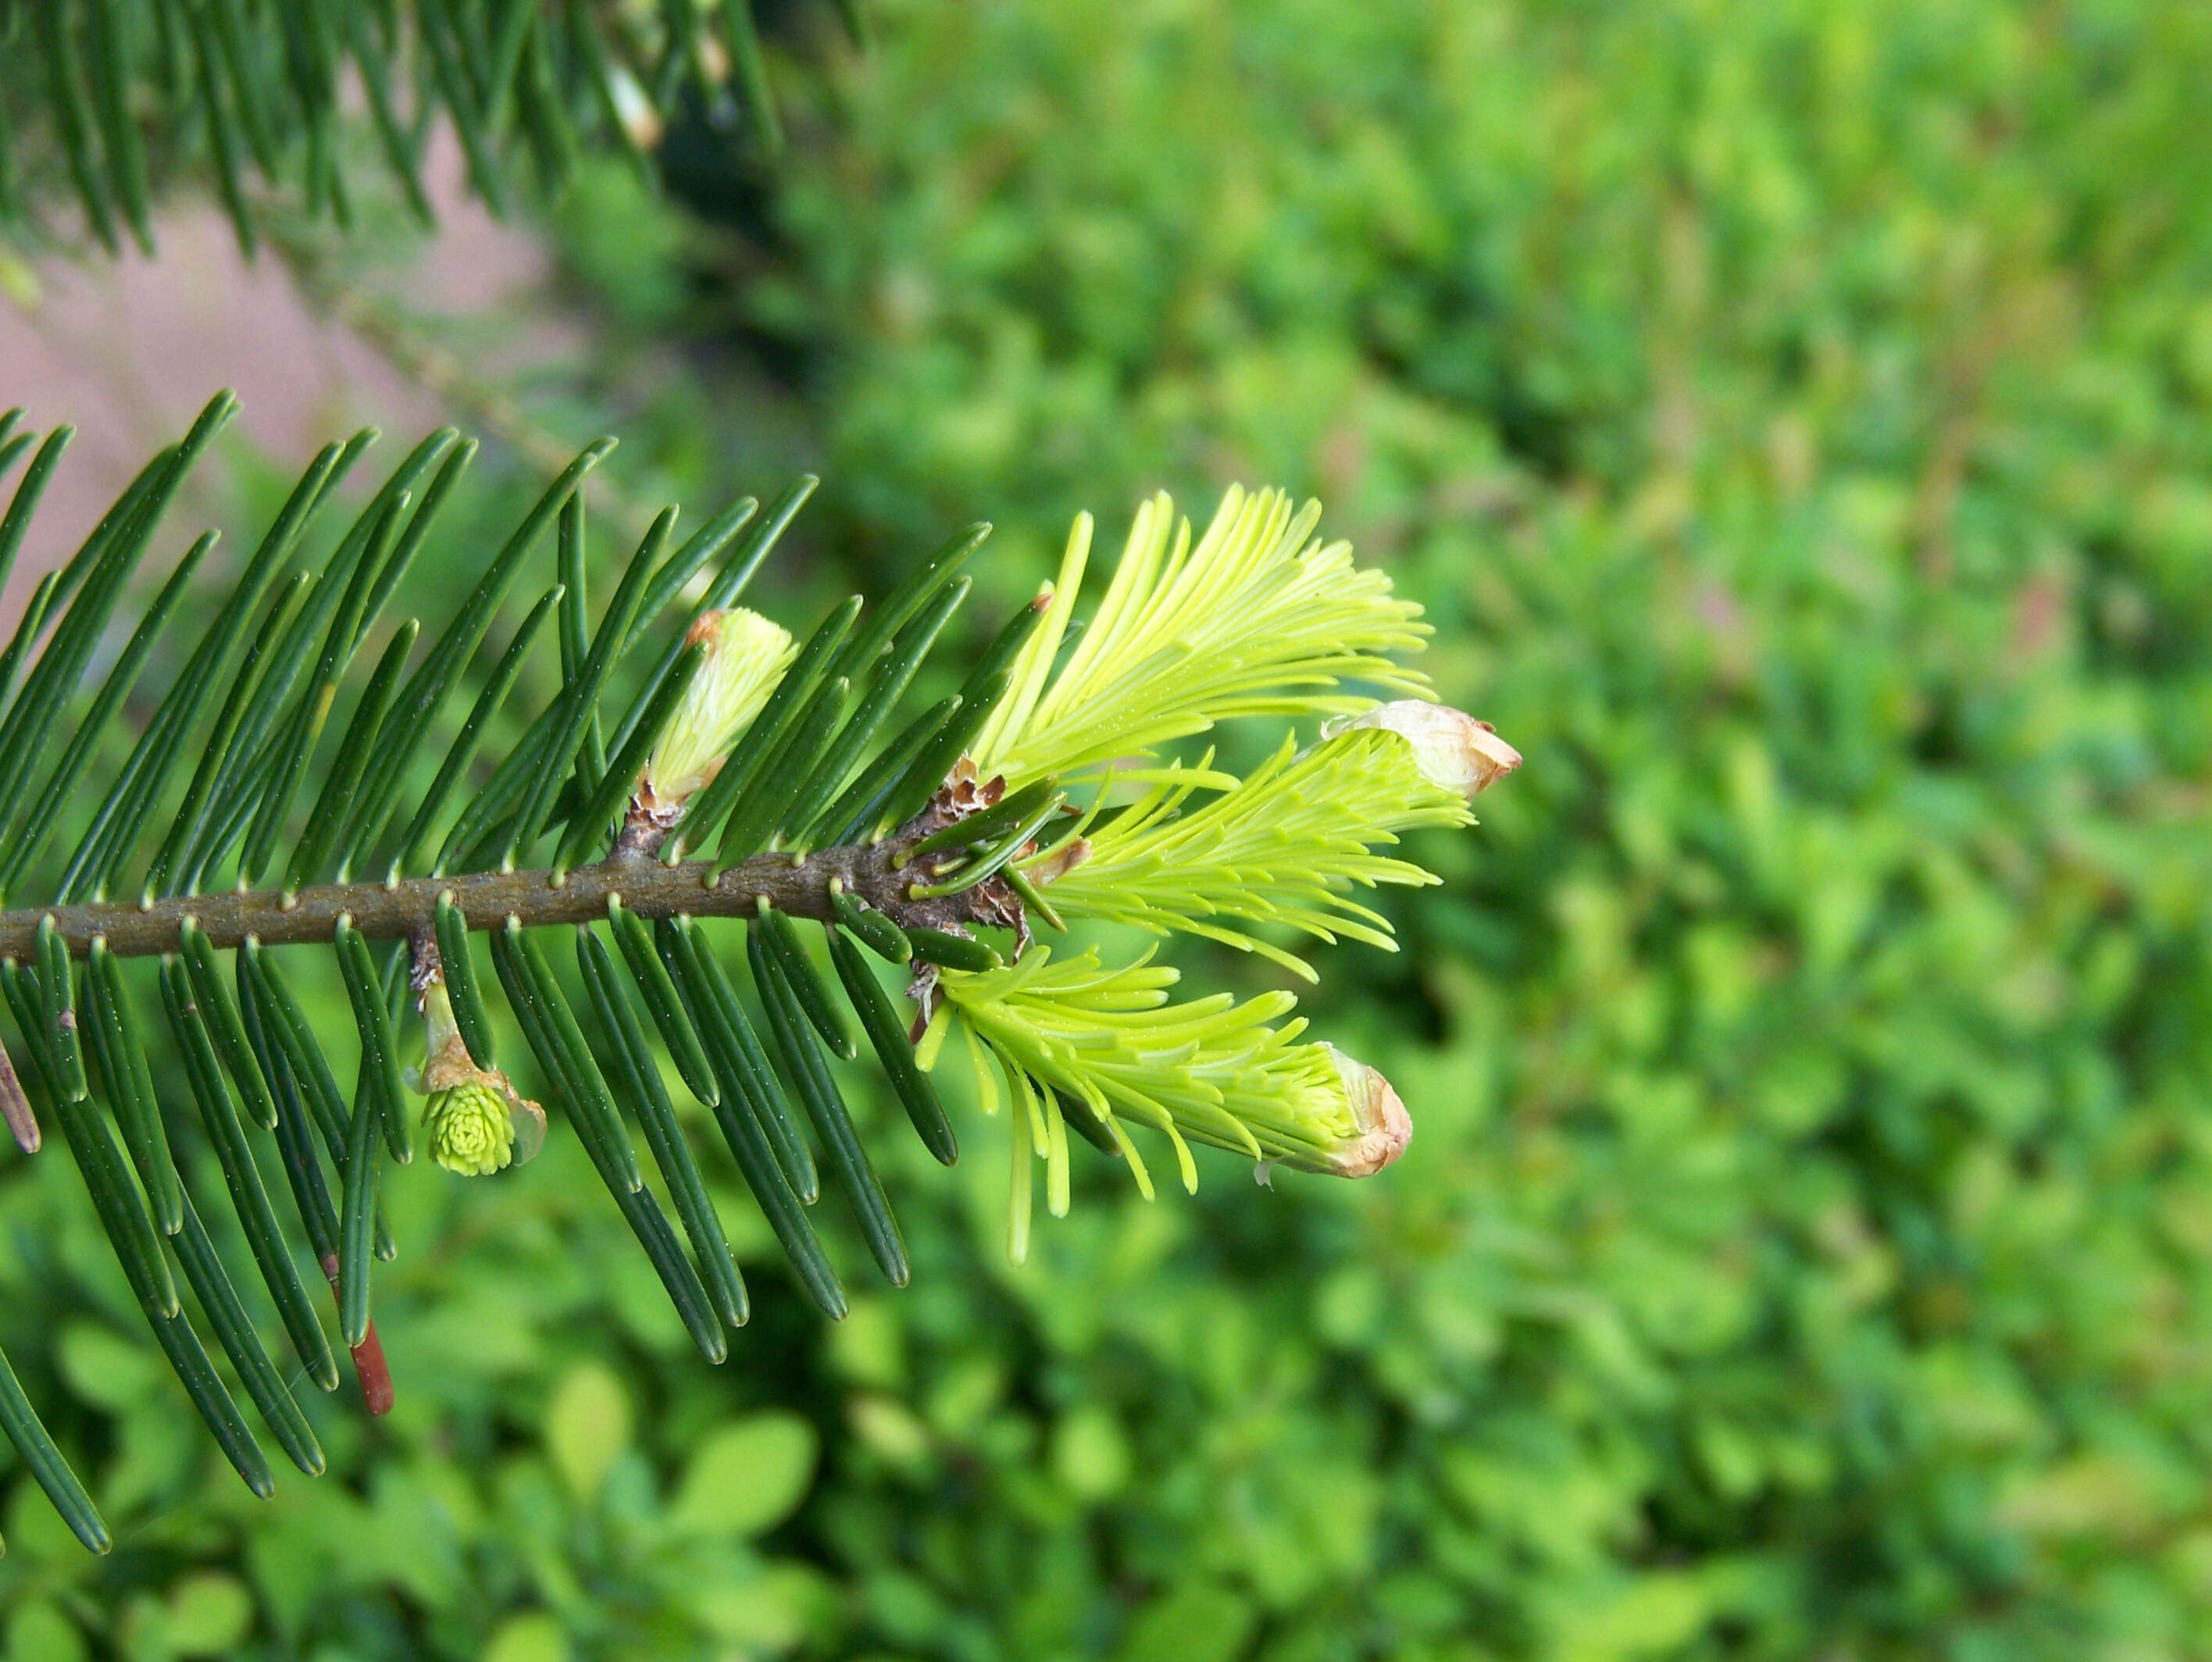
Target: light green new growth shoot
point(1252, 621)
point(746, 656)
point(1071, 1037)
point(1281, 848)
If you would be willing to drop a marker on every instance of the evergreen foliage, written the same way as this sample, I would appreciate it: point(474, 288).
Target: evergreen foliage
point(281, 784)
point(1794, 419)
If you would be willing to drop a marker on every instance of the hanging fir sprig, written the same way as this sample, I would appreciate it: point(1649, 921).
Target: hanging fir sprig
point(110, 101)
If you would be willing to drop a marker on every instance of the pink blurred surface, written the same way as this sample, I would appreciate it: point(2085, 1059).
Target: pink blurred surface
point(128, 349)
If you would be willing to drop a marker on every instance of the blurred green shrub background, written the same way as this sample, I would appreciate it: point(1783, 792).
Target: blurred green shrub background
point(1797, 420)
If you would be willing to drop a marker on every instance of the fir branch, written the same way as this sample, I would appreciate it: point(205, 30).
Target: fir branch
point(728, 731)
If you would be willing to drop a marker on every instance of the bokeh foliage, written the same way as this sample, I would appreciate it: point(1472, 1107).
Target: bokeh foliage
point(1796, 418)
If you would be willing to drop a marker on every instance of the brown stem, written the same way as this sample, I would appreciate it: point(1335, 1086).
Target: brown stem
point(388, 912)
